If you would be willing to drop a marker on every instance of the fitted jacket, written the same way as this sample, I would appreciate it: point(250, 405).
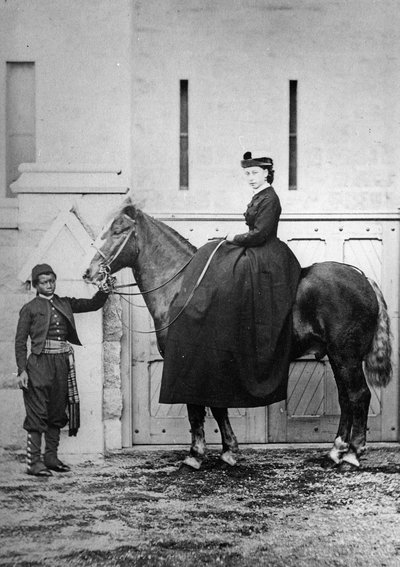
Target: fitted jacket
point(262, 217)
point(34, 321)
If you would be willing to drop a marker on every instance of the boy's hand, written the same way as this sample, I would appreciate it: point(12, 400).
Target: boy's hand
point(23, 380)
point(107, 284)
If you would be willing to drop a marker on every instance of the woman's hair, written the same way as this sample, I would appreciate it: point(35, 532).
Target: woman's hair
point(270, 176)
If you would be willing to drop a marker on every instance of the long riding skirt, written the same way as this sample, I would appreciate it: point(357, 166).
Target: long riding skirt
point(230, 347)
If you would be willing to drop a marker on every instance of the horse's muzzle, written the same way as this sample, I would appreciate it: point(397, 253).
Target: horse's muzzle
point(86, 276)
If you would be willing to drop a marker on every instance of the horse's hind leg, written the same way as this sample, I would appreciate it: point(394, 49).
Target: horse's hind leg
point(196, 416)
point(230, 445)
point(360, 397)
point(341, 443)
point(351, 375)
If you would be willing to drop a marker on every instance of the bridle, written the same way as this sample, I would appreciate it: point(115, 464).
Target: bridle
point(107, 283)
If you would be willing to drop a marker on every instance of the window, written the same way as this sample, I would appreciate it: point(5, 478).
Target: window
point(20, 113)
point(184, 136)
point(292, 135)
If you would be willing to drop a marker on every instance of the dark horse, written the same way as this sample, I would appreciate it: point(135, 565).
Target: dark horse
point(338, 312)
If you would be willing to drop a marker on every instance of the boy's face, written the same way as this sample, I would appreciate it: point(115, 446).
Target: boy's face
point(46, 284)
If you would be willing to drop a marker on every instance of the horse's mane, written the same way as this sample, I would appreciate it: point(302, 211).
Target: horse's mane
point(181, 239)
point(128, 207)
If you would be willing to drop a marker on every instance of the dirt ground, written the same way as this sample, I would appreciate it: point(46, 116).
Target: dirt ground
point(277, 507)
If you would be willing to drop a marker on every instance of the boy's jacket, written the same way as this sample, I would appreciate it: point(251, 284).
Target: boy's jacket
point(34, 321)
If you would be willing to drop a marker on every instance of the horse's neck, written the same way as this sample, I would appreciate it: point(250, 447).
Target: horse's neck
point(162, 253)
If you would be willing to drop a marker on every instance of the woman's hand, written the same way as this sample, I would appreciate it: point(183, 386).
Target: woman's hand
point(230, 237)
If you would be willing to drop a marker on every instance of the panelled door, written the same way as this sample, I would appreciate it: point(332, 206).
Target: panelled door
point(311, 411)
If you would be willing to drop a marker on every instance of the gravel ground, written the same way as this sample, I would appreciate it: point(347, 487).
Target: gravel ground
point(277, 507)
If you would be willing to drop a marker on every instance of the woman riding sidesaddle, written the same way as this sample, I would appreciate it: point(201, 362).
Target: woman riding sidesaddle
point(230, 347)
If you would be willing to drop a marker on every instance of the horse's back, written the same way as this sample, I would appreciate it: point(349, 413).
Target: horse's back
point(335, 305)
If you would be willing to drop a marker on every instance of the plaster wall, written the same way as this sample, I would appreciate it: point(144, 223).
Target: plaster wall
point(82, 59)
point(238, 58)
point(82, 102)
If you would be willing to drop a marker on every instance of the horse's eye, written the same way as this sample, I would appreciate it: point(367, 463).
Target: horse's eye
point(120, 229)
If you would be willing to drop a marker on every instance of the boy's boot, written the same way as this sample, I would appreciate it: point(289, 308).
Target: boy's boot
point(51, 460)
point(33, 460)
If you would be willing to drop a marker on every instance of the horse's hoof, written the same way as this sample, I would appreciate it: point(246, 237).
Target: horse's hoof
point(192, 462)
point(335, 456)
point(351, 459)
point(228, 458)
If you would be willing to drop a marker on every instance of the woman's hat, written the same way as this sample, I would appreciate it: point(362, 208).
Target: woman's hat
point(256, 161)
point(40, 270)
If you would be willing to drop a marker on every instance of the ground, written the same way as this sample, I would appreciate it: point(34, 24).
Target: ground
point(277, 507)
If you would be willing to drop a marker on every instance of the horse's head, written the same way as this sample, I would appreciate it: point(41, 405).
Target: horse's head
point(116, 246)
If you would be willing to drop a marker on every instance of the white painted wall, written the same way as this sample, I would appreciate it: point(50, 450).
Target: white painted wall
point(239, 58)
point(82, 58)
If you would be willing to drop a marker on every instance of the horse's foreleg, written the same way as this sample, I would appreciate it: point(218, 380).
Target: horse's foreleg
point(230, 445)
point(196, 416)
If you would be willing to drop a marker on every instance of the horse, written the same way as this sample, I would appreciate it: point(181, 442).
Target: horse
point(338, 313)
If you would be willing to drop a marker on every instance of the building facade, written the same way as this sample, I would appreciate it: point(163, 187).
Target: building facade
point(161, 99)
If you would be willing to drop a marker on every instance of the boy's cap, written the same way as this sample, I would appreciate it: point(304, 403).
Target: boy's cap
point(41, 269)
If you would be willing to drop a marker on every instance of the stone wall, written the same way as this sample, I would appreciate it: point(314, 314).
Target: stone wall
point(12, 296)
point(112, 394)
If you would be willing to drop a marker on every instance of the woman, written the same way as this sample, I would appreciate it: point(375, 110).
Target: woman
point(264, 210)
point(230, 347)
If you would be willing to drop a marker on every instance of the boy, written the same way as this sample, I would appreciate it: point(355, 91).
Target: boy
point(47, 376)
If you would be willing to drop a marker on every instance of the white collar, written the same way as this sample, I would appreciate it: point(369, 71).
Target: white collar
point(46, 296)
point(263, 186)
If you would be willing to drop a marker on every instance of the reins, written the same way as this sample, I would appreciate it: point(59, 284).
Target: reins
point(199, 280)
point(108, 284)
point(149, 290)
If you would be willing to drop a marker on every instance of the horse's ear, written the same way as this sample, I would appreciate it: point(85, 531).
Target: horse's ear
point(130, 210)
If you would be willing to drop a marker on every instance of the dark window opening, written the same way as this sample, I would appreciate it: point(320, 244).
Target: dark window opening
point(184, 135)
point(293, 135)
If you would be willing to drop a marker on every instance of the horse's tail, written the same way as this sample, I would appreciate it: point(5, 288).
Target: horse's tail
point(378, 363)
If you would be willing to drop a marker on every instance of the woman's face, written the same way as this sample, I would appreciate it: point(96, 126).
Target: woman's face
point(255, 176)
